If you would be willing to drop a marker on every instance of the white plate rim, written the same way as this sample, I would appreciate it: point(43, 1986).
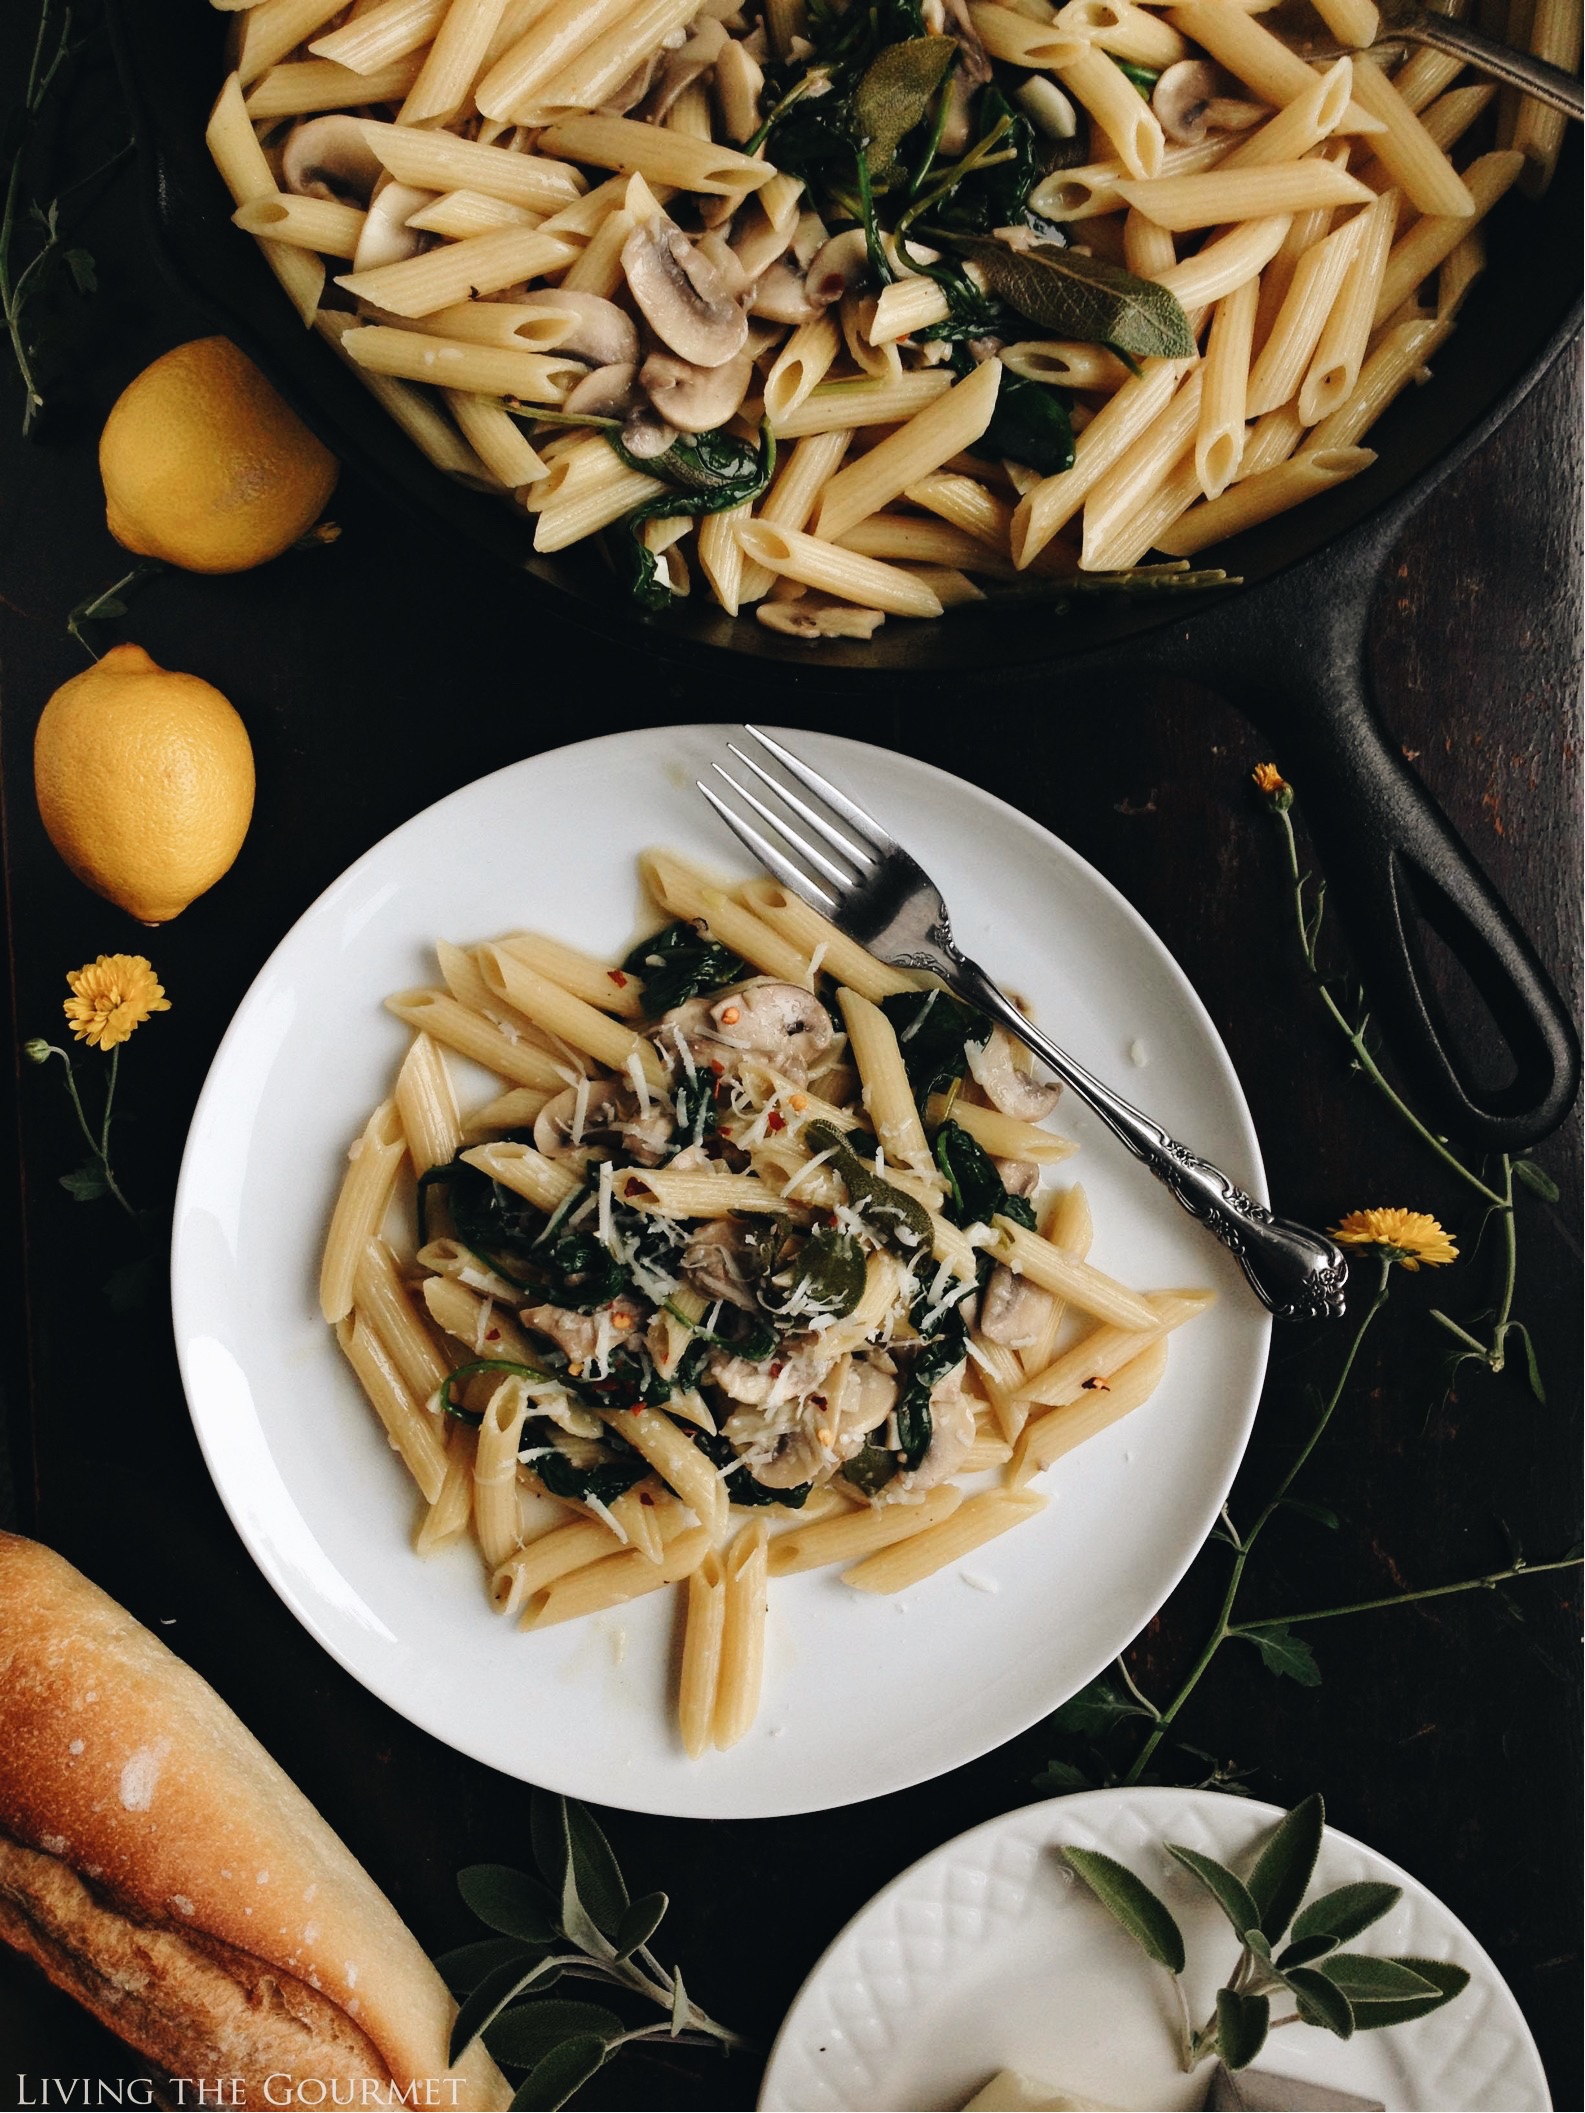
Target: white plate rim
point(346, 883)
point(1119, 1801)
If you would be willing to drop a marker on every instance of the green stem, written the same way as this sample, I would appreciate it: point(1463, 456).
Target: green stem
point(1355, 1036)
point(1136, 1691)
point(1223, 1624)
point(1403, 1599)
point(8, 218)
point(99, 1146)
point(1472, 1342)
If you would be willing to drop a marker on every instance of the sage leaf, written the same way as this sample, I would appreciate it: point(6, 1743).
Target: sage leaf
point(1344, 1913)
point(640, 1922)
point(1304, 1951)
point(592, 1868)
point(679, 2002)
point(523, 2036)
point(1377, 1980)
point(895, 94)
point(1282, 1873)
point(1130, 1901)
point(1537, 1179)
point(551, 2082)
point(1085, 298)
point(493, 1994)
point(1228, 1891)
point(1321, 2001)
point(463, 1968)
point(1370, 2015)
point(1283, 1652)
point(509, 1901)
point(1241, 2025)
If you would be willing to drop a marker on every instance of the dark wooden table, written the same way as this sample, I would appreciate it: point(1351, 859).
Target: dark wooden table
point(1444, 1733)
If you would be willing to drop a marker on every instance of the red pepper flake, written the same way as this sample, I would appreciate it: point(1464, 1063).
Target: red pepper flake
point(644, 1497)
point(632, 1188)
point(492, 1335)
point(819, 1400)
point(778, 1368)
point(1098, 1386)
point(617, 978)
point(775, 1120)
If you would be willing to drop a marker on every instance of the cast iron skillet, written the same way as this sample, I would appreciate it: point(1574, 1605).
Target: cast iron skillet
point(1287, 648)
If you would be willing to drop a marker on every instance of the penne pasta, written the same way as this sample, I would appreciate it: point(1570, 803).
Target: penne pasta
point(1046, 1441)
point(744, 1607)
point(364, 1198)
point(975, 1522)
point(701, 1656)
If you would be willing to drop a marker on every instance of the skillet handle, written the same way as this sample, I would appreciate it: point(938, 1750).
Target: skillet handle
point(1394, 865)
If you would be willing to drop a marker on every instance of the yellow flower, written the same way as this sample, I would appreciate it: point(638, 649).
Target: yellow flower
point(110, 997)
point(1409, 1237)
point(1269, 780)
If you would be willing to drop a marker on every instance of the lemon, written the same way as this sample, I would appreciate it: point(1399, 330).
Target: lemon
point(144, 781)
point(205, 466)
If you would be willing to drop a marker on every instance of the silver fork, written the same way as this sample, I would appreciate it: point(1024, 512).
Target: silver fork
point(871, 888)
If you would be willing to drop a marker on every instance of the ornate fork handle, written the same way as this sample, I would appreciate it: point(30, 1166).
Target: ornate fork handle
point(1296, 1273)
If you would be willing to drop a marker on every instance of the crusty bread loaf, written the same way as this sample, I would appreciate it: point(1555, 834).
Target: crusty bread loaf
point(157, 1864)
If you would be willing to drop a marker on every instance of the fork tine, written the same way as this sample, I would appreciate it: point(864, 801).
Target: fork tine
point(766, 852)
point(790, 837)
point(834, 837)
point(851, 812)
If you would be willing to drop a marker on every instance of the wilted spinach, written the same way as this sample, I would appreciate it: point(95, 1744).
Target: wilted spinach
point(934, 1032)
point(976, 1191)
point(993, 193)
point(603, 1480)
point(681, 962)
point(1029, 425)
point(709, 474)
point(915, 1421)
point(740, 1484)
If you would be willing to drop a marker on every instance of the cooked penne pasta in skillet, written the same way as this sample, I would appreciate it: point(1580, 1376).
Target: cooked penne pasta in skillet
point(763, 1281)
point(840, 315)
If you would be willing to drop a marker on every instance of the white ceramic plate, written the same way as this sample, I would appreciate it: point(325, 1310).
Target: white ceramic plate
point(862, 1695)
point(989, 1955)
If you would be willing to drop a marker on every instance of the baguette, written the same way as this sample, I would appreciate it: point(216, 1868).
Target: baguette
point(159, 1866)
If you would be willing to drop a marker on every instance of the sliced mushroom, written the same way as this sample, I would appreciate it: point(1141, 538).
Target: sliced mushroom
point(598, 331)
point(682, 67)
point(812, 618)
point(758, 1388)
point(952, 1436)
point(1020, 1177)
point(1182, 97)
point(330, 157)
point(838, 267)
point(781, 1022)
point(386, 237)
point(646, 435)
point(633, 90)
point(781, 295)
point(715, 1262)
point(610, 1111)
point(695, 399)
point(578, 1334)
point(1013, 1311)
point(683, 296)
point(553, 1125)
point(860, 1397)
point(1012, 1091)
point(609, 392)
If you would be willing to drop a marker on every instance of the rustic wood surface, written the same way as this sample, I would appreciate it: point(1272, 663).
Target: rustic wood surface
point(1445, 1734)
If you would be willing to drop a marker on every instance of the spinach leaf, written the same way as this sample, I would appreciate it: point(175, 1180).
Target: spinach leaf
point(740, 1484)
point(1141, 76)
point(871, 1469)
point(994, 194)
point(604, 1480)
point(933, 1031)
point(915, 1424)
point(1030, 424)
point(737, 1331)
point(694, 1100)
point(453, 1407)
point(1073, 296)
point(491, 1220)
point(828, 1277)
point(890, 1210)
point(681, 962)
point(710, 473)
point(977, 1191)
point(577, 1272)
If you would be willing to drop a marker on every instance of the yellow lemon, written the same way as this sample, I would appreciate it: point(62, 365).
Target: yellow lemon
point(144, 781)
point(205, 466)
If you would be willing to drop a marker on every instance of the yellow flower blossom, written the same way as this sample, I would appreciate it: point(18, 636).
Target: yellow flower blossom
point(110, 997)
point(1269, 780)
point(1409, 1237)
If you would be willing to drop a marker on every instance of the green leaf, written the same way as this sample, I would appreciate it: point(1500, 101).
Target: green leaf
point(1283, 1652)
point(129, 1283)
point(1241, 2025)
point(678, 963)
point(1096, 1708)
point(895, 94)
point(1322, 1514)
point(523, 2036)
point(594, 1870)
point(509, 1901)
point(976, 1192)
point(464, 1967)
point(1371, 2015)
point(81, 266)
point(547, 1831)
point(1304, 1951)
point(1531, 1367)
point(891, 1211)
point(679, 2002)
point(1072, 296)
point(1130, 1901)
point(1372, 1980)
point(1058, 1778)
point(1143, 78)
point(1344, 1913)
point(551, 2082)
point(639, 1923)
point(494, 1992)
point(1321, 2001)
point(87, 1183)
point(934, 1032)
point(1282, 1873)
point(1537, 1179)
point(1228, 1891)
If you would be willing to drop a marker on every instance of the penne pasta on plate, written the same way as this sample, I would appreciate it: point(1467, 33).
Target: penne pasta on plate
point(761, 1283)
